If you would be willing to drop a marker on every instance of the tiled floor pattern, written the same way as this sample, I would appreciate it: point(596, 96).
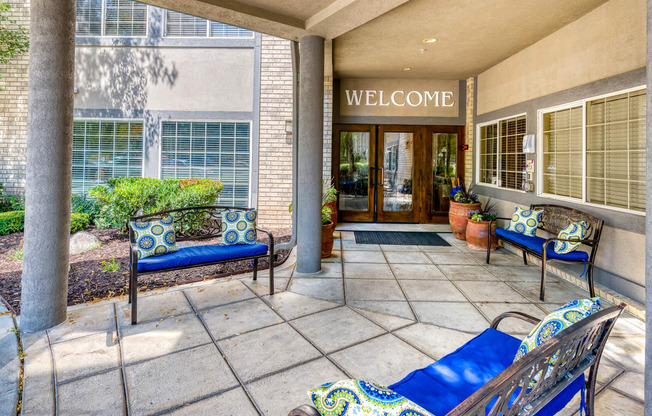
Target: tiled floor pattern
point(228, 348)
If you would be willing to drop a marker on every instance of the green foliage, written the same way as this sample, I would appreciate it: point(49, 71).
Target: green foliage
point(330, 193)
point(79, 222)
point(2, 188)
point(11, 203)
point(11, 222)
point(325, 215)
point(18, 255)
point(110, 266)
point(14, 39)
point(82, 204)
point(123, 197)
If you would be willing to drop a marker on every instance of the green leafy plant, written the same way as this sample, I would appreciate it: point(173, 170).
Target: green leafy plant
point(485, 213)
point(124, 197)
point(14, 221)
point(11, 203)
point(330, 193)
point(18, 255)
point(14, 39)
point(82, 204)
point(79, 221)
point(463, 195)
point(110, 266)
point(325, 215)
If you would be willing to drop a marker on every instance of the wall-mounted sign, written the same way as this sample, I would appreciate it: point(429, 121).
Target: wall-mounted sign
point(399, 98)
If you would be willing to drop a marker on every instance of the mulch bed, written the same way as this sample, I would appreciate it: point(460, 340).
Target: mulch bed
point(88, 281)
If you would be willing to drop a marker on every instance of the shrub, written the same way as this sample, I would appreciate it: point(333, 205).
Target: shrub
point(14, 221)
point(11, 203)
point(123, 197)
point(82, 204)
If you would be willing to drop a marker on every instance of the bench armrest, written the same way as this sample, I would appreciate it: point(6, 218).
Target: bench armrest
point(271, 238)
point(498, 218)
point(520, 315)
point(551, 239)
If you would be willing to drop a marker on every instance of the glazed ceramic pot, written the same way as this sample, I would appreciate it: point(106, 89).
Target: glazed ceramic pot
point(477, 235)
point(327, 240)
point(458, 215)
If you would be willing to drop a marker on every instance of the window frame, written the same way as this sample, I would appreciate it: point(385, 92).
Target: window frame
point(120, 120)
point(103, 25)
point(185, 120)
point(208, 29)
point(477, 146)
point(539, 159)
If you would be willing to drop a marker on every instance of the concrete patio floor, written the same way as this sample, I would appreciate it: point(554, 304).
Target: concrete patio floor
point(225, 347)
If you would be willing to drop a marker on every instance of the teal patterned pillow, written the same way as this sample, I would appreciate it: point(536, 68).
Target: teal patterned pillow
point(239, 227)
point(154, 238)
point(576, 232)
point(361, 398)
point(525, 221)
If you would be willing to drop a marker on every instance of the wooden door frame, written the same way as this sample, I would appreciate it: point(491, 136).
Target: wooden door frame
point(355, 216)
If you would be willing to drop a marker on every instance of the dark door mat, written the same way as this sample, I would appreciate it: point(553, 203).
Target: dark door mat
point(398, 238)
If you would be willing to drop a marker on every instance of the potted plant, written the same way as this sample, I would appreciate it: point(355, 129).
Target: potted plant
point(327, 229)
point(477, 230)
point(329, 199)
point(462, 201)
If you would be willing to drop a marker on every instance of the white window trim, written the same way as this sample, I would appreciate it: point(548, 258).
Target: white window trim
point(103, 25)
point(539, 159)
point(251, 142)
point(208, 30)
point(476, 162)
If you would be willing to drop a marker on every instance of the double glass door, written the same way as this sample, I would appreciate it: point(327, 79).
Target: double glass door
point(395, 173)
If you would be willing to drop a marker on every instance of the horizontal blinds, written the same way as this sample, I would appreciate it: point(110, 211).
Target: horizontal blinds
point(562, 152)
point(209, 150)
point(89, 18)
point(502, 160)
point(125, 18)
point(222, 30)
point(184, 25)
point(615, 151)
point(103, 150)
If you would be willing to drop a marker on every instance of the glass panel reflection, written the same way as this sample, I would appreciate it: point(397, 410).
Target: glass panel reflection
point(354, 171)
point(397, 172)
point(444, 169)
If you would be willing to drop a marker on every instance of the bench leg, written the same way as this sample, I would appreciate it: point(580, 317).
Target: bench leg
point(489, 247)
point(590, 392)
point(590, 279)
point(255, 269)
point(133, 294)
point(271, 272)
point(542, 293)
point(525, 257)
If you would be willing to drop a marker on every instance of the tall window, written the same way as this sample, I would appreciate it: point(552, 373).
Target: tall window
point(615, 146)
point(502, 160)
point(105, 149)
point(184, 25)
point(111, 18)
point(210, 150)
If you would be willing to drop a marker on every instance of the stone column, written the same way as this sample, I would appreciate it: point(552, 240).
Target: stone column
point(311, 147)
point(49, 164)
point(648, 223)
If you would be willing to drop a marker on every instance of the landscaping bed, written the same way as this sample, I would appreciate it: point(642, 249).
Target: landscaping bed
point(89, 281)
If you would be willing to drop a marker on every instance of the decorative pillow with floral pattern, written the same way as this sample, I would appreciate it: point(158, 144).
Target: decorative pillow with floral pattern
point(525, 221)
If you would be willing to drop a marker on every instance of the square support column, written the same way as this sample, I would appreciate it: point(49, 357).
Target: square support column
point(49, 164)
point(311, 148)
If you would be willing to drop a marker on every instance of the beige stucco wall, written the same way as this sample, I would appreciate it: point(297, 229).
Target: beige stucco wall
point(165, 78)
point(608, 41)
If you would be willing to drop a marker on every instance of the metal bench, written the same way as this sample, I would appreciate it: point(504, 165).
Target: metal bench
point(195, 223)
point(553, 220)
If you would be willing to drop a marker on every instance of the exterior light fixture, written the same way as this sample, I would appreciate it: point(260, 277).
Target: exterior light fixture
point(407, 68)
point(429, 40)
point(288, 126)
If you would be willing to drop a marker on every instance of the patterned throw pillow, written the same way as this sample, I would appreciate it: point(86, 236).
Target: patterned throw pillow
point(574, 231)
point(358, 398)
point(154, 238)
point(525, 221)
point(239, 227)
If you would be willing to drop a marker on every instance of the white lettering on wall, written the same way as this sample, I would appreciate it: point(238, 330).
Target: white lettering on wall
point(400, 98)
point(394, 98)
point(431, 96)
point(380, 100)
point(371, 94)
point(409, 99)
point(357, 96)
point(447, 95)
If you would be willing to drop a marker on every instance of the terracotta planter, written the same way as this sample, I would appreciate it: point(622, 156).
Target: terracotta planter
point(327, 240)
point(333, 206)
point(477, 235)
point(457, 217)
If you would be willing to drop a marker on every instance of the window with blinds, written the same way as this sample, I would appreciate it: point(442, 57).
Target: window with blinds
point(105, 149)
point(615, 151)
point(184, 25)
point(119, 18)
point(502, 160)
point(563, 157)
point(209, 150)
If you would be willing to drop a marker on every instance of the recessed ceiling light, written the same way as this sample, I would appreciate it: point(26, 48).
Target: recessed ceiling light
point(407, 68)
point(429, 40)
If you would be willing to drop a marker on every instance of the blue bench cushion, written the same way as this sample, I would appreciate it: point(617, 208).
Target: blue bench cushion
point(200, 254)
point(440, 387)
point(536, 244)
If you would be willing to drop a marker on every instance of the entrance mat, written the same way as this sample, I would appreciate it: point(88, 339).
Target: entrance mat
point(399, 238)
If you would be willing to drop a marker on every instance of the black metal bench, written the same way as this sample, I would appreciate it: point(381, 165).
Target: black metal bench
point(194, 223)
point(579, 348)
point(553, 220)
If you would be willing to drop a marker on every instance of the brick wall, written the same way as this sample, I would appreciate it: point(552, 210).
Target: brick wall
point(328, 128)
point(275, 148)
point(468, 155)
point(13, 111)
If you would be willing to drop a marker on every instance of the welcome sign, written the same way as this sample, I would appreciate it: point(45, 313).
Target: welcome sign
point(399, 98)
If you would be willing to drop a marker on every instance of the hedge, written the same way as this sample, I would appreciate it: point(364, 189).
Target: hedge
point(14, 221)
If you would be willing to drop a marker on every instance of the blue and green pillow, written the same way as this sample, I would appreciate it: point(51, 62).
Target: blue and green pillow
point(358, 398)
point(525, 221)
point(239, 227)
point(574, 232)
point(154, 238)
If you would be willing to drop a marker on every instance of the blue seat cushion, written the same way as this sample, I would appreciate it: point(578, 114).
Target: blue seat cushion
point(441, 386)
point(536, 244)
point(189, 256)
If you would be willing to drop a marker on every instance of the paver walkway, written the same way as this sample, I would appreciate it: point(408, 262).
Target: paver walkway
point(228, 348)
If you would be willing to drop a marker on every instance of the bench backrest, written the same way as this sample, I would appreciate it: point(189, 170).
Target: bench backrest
point(578, 347)
point(556, 217)
point(192, 223)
